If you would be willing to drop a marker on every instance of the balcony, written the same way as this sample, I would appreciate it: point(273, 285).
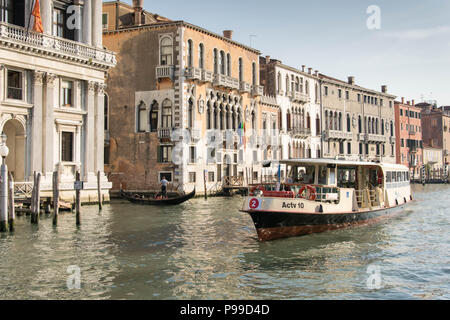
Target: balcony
point(195, 135)
point(301, 132)
point(245, 87)
point(299, 97)
point(392, 140)
point(257, 90)
point(164, 72)
point(19, 38)
point(207, 76)
point(193, 73)
point(338, 135)
point(164, 133)
point(375, 138)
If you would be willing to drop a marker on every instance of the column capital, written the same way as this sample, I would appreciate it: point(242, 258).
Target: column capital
point(92, 87)
point(101, 87)
point(39, 77)
point(51, 80)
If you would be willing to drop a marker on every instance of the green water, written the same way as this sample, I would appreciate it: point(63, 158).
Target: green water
point(209, 250)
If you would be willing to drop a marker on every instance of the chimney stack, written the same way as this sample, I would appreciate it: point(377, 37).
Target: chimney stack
point(138, 9)
point(310, 70)
point(403, 100)
point(228, 34)
point(413, 103)
point(317, 73)
point(267, 59)
point(351, 80)
point(384, 89)
point(303, 68)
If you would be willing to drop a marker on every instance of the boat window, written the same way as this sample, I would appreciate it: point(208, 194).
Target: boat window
point(399, 176)
point(322, 175)
point(373, 177)
point(308, 175)
point(388, 177)
point(407, 176)
point(346, 177)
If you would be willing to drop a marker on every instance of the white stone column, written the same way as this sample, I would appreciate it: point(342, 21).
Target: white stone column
point(36, 127)
point(97, 31)
point(49, 124)
point(89, 151)
point(46, 15)
point(99, 127)
point(87, 22)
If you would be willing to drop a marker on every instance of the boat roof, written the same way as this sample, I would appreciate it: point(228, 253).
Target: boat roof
point(322, 161)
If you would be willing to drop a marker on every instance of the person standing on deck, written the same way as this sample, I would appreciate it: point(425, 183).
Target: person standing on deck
point(164, 184)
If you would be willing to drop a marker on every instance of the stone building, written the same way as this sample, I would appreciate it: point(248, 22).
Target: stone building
point(408, 134)
point(52, 93)
point(436, 129)
point(358, 123)
point(181, 100)
point(297, 94)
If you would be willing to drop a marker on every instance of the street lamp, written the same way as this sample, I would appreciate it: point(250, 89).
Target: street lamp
point(4, 151)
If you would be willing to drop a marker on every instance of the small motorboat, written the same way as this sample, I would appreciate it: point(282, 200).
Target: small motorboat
point(158, 201)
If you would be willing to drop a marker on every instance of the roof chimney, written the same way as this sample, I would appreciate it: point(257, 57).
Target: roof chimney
point(317, 73)
point(351, 80)
point(407, 103)
point(138, 8)
point(310, 70)
point(413, 103)
point(228, 34)
point(303, 68)
point(403, 100)
point(384, 89)
point(267, 59)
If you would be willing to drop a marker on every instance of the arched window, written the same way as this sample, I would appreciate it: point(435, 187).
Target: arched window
point(317, 125)
point(279, 82)
point(201, 56)
point(287, 84)
point(208, 115)
point(382, 127)
point(253, 120)
point(306, 87)
point(154, 117)
point(254, 76)
point(297, 84)
point(166, 114)
point(288, 120)
point(216, 62)
point(142, 117)
point(392, 129)
point(229, 65)
point(308, 121)
point(190, 115)
point(222, 118)
point(166, 51)
point(349, 128)
point(241, 70)
point(216, 115)
point(222, 62)
point(189, 54)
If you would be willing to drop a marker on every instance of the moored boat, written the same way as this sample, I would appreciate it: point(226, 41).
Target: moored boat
point(318, 195)
point(143, 199)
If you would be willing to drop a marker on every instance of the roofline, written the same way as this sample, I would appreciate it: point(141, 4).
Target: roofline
point(278, 63)
point(342, 162)
point(181, 23)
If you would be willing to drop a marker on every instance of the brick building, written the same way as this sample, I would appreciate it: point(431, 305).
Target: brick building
point(408, 129)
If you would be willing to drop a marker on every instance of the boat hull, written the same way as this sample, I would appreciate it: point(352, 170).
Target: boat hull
point(277, 225)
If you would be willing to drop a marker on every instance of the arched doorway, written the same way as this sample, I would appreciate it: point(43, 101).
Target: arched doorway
point(15, 141)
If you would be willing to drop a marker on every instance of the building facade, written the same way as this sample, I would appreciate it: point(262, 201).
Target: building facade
point(52, 93)
point(358, 123)
point(408, 133)
point(193, 106)
point(297, 94)
point(436, 129)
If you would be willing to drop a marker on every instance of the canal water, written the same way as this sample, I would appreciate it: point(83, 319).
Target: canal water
point(209, 250)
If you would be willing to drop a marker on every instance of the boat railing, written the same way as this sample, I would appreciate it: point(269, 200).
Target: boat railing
point(287, 190)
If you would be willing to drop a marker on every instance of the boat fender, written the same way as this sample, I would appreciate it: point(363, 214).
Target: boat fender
point(411, 197)
point(396, 202)
point(321, 209)
point(405, 200)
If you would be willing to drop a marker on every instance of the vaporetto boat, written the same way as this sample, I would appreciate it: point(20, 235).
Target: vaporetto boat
point(317, 195)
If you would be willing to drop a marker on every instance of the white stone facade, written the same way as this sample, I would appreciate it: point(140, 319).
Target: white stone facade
point(52, 100)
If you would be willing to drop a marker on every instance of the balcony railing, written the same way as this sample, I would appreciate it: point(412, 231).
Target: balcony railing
point(55, 46)
point(207, 76)
point(377, 138)
point(164, 133)
point(338, 135)
point(193, 73)
point(221, 80)
point(245, 87)
point(164, 72)
point(257, 90)
point(301, 132)
point(300, 97)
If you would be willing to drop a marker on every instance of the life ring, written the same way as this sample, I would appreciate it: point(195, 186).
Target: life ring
point(312, 193)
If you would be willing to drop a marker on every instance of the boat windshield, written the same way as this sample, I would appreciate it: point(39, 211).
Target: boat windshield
point(301, 174)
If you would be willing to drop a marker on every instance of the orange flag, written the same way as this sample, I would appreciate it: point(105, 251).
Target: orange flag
point(37, 18)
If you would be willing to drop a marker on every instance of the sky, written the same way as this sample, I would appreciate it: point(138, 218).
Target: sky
point(406, 46)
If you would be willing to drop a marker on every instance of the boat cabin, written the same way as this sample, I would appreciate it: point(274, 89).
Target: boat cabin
point(350, 184)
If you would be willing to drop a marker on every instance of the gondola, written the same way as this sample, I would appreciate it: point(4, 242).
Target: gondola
point(140, 199)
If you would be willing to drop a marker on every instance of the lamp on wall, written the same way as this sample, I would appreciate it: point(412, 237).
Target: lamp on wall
point(4, 150)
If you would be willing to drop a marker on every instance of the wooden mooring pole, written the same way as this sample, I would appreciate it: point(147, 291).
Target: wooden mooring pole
point(99, 192)
point(55, 197)
point(77, 199)
point(36, 201)
point(11, 208)
point(204, 183)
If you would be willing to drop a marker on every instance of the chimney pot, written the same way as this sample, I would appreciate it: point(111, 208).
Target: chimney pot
point(303, 68)
point(384, 89)
point(413, 103)
point(228, 34)
point(267, 59)
point(309, 70)
point(403, 100)
point(351, 80)
point(317, 73)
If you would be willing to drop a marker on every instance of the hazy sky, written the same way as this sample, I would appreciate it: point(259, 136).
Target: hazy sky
point(410, 53)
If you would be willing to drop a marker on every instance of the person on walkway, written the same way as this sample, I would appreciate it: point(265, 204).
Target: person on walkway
point(164, 184)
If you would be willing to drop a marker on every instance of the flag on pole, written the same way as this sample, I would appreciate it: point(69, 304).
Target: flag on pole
point(37, 27)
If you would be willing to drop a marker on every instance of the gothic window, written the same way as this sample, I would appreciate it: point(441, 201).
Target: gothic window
point(254, 76)
point(241, 68)
point(201, 56)
point(208, 116)
point(189, 54)
point(166, 51)
point(306, 87)
point(222, 62)
point(216, 62)
point(228, 65)
point(190, 114)
point(279, 82)
point(166, 114)
point(297, 84)
point(154, 117)
point(142, 117)
point(349, 128)
point(253, 120)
